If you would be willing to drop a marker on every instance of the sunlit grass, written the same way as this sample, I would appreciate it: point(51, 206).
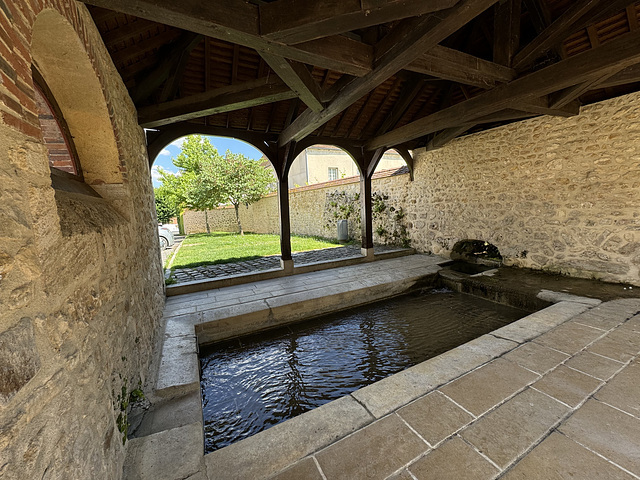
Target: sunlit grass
point(222, 247)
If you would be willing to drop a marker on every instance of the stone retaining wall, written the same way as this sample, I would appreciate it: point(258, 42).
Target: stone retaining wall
point(81, 284)
point(558, 194)
point(309, 210)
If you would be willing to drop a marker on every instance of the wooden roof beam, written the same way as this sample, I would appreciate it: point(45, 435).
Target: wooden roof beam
point(237, 21)
point(296, 21)
point(220, 100)
point(557, 31)
point(628, 75)
point(542, 106)
point(298, 78)
point(169, 69)
point(506, 31)
point(403, 47)
point(571, 94)
point(450, 64)
point(445, 136)
point(618, 53)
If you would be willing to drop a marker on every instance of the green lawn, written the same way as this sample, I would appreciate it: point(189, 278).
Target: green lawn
point(223, 247)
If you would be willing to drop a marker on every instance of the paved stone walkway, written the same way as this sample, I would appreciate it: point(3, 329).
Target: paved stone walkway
point(553, 395)
point(206, 272)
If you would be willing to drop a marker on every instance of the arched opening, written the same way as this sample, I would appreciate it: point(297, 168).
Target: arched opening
point(325, 194)
point(476, 251)
point(321, 163)
point(69, 76)
point(224, 189)
point(391, 163)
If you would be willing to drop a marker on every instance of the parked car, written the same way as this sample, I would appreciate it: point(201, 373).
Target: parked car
point(165, 236)
point(172, 227)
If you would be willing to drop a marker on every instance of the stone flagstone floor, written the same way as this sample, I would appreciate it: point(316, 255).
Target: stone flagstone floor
point(553, 395)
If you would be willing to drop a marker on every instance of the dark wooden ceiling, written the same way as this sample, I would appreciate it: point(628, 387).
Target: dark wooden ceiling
point(380, 73)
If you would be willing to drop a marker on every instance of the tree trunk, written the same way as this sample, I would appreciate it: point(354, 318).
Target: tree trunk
point(237, 207)
point(206, 221)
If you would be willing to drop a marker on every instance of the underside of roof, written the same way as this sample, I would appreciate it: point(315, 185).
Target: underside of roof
point(373, 73)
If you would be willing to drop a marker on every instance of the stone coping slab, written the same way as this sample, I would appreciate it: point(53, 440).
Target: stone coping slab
point(321, 437)
point(269, 273)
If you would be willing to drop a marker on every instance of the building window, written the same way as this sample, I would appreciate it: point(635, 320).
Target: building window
point(333, 173)
point(55, 133)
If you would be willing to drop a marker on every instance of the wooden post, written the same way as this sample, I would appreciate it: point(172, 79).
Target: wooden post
point(285, 225)
point(281, 165)
point(366, 215)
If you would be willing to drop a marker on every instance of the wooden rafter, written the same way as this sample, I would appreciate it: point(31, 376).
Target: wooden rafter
point(296, 21)
point(225, 99)
point(450, 64)
point(382, 110)
point(169, 69)
point(506, 31)
point(614, 55)
point(542, 106)
point(568, 95)
point(405, 47)
point(578, 15)
point(411, 90)
point(237, 22)
point(628, 75)
point(298, 78)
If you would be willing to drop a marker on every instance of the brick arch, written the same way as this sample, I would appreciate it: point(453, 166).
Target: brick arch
point(71, 75)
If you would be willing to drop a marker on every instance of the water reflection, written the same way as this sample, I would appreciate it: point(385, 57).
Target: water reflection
point(252, 383)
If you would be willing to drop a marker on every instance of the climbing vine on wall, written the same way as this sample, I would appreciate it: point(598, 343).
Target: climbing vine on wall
point(389, 226)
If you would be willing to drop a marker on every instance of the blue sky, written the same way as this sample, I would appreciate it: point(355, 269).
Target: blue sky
point(222, 144)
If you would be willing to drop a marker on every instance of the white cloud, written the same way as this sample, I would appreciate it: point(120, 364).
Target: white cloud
point(155, 174)
point(178, 142)
point(165, 152)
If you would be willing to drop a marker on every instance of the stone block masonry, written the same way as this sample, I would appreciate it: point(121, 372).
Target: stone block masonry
point(81, 285)
point(557, 194)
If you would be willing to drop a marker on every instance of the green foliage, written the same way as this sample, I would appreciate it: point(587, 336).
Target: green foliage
point(239, 180)
point(388, 221)
point(166, 208)
point(206, 179)
point(123, 401)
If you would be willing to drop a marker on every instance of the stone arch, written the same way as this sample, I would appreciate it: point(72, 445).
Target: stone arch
point(69, 73)
point(475, 251)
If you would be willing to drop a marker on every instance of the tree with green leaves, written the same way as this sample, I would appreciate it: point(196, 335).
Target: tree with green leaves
point(166, 208)
point(239, 180)
point(206, 180)
point(189, 188)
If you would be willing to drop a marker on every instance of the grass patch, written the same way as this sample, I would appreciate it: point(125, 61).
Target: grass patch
point(222, 247)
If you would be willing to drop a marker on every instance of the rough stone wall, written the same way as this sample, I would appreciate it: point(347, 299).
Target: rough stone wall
point(220, 220)
point(307, 206)
point(558, 194)
point(81, 283)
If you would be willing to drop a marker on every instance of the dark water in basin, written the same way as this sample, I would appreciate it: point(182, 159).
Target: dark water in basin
point(254, 382)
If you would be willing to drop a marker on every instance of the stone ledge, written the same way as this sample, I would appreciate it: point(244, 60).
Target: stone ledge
point(170, 454)
point(179, 370)
point(274, 449)
point(540, 322)
point(236, 320)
